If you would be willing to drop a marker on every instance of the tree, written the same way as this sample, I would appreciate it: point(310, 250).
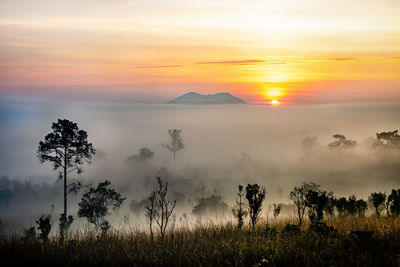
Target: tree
point(44, 226)
point(151, 211)
point(95, 205)
point(165, 206)
point(393, 202)
point(159, 207)
point(351, 205)
point(277, 210)
point(67, 148)
point(176, 143)
point(255, 196)
point(144, 155)
point(298, 196)
point(239, 212)
point(377, 200)
point(342, 143)
point(388, 139)
point(361, 206)
point(340, 205)
point(316, 201)
point(210, 205)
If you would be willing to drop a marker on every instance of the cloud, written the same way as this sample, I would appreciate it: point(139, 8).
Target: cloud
point(240, 62)
point(342, 58)
point(392, 58)
point(158, 66)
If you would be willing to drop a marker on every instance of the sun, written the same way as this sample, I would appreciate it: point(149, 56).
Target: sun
point(275, 102)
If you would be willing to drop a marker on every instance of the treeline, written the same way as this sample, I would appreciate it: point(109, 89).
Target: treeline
point(67, 148)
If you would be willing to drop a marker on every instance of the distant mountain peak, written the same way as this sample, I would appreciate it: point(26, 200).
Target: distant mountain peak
point(194, 98)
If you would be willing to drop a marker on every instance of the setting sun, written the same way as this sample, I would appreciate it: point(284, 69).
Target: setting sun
point(275, 102)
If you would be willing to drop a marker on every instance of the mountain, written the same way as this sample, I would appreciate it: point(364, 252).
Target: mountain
point(194, 98)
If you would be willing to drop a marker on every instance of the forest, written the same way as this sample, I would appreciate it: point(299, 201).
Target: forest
point(316, 228)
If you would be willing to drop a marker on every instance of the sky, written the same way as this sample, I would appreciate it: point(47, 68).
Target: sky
point(293, 51)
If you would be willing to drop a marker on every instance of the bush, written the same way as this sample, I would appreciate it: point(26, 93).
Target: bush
point(44, 223)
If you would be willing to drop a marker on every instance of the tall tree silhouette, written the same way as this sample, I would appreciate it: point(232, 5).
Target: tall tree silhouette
point(255, 196)
point(176, 143)
point(377, 200)
point(67, 148)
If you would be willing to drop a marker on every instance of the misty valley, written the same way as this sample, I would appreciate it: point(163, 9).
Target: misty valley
point(159, 172)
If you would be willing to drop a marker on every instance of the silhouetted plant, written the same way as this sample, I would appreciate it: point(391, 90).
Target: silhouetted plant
point(277, 210)
point(238, 210)
point(342, 143)
point(393, 203)
point(176, 143)
point(340, 205)
point(316, 202)
point(213, 205)
point(44, 226)
point(388, 139)
point(255, 196)
point(151, 210)
point(96, 203)
point(351, 206)
point(145, 154)
point(377, 200)
point(361, 206)
point(66, 147)
point(298, 196)
point(64, 225)
point(165, 206)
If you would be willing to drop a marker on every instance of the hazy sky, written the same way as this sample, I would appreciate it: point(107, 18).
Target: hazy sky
point(291, 50)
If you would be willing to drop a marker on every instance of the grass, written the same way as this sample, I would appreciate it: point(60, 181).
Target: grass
point(218, 245)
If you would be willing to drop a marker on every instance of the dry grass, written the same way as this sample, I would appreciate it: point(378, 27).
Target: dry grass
point(218, 245)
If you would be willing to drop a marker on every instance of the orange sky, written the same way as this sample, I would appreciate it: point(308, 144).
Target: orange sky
point(266, 49)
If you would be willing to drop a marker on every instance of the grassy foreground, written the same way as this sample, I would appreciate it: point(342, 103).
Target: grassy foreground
point(376, 244)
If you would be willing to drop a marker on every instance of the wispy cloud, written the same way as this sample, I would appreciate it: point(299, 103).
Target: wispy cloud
point(392, 58)
point(342, 58)
point(240, 62)
point(158, 66)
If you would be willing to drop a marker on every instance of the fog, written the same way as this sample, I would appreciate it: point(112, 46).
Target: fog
point(224, 146)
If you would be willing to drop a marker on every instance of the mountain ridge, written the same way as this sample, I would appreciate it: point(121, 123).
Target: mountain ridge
point(194, 98)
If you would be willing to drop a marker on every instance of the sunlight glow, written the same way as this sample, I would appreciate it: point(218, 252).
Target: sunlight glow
point(275, 102)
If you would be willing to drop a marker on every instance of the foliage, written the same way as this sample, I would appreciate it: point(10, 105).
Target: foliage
point(389, 139)
point(277, 209)
point(393, 202)
point(64, 225)
point(298, 196)
point(44, 226)
point(377, 200)
point(96, 203)
point(145, 154)
point(238, 212)
point(66, 147)
point(212, 205)
point(255, 196)
point(361, 207)
point(316, 201)
point(342, 143)
point(176, 143)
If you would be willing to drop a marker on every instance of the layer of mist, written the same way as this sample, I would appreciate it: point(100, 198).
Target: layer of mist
point(278, 147)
